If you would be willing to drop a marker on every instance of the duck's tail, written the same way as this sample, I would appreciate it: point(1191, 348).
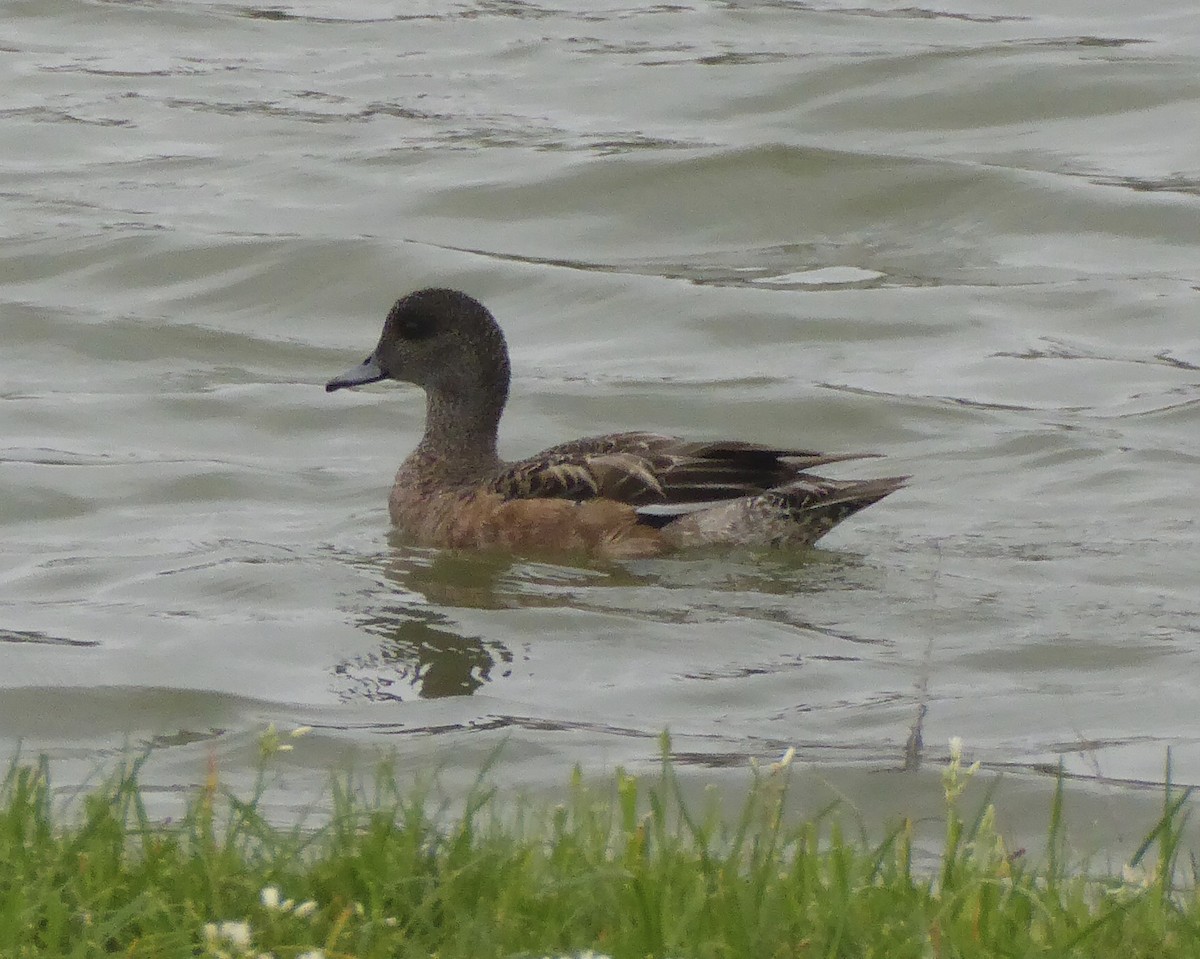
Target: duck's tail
point(794, 515)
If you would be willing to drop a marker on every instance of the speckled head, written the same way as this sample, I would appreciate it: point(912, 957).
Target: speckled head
point(439, 339)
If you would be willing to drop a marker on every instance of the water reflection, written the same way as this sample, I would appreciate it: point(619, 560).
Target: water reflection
point(423, 653)
point(430, 646)
point(421, 656)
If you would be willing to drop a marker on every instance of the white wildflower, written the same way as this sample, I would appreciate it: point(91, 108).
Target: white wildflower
point(305, 909)
point(231, 933)
point(270, 898)
point(300, 731)
point(583, 954)
point(235, 933)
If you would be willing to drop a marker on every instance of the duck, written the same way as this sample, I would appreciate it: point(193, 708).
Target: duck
point(616, 496)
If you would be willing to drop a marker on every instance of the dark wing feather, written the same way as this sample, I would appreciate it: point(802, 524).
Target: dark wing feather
point(645, 469)
point(581, 476)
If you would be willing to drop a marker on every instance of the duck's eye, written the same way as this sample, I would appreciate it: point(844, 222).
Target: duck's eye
point(410, 324)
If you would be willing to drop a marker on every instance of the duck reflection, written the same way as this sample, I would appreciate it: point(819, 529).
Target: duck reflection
point(451, 579)
point(420, 656)
point(423, 653)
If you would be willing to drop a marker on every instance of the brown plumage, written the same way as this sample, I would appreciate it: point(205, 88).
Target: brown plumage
point(619, 495)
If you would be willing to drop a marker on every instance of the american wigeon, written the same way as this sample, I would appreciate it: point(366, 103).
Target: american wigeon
point(588, 495)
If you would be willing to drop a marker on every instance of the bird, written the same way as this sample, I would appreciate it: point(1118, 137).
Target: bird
point(617, 496)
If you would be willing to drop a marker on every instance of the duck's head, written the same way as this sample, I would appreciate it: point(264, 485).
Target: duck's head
point(442, 340)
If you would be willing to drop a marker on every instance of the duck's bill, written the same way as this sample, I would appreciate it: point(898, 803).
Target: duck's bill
point(368, 371)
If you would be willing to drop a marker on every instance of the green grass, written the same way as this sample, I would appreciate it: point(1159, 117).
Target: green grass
point(629, 870)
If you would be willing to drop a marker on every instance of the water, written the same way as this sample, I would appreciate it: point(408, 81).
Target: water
point(961, 238)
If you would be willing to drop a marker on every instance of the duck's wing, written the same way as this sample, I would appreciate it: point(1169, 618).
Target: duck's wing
point(644, 469)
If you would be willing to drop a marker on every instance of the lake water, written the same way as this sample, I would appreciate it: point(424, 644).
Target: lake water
point(966, 238)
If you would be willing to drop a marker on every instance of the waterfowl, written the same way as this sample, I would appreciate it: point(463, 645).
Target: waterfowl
point(619, 495)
